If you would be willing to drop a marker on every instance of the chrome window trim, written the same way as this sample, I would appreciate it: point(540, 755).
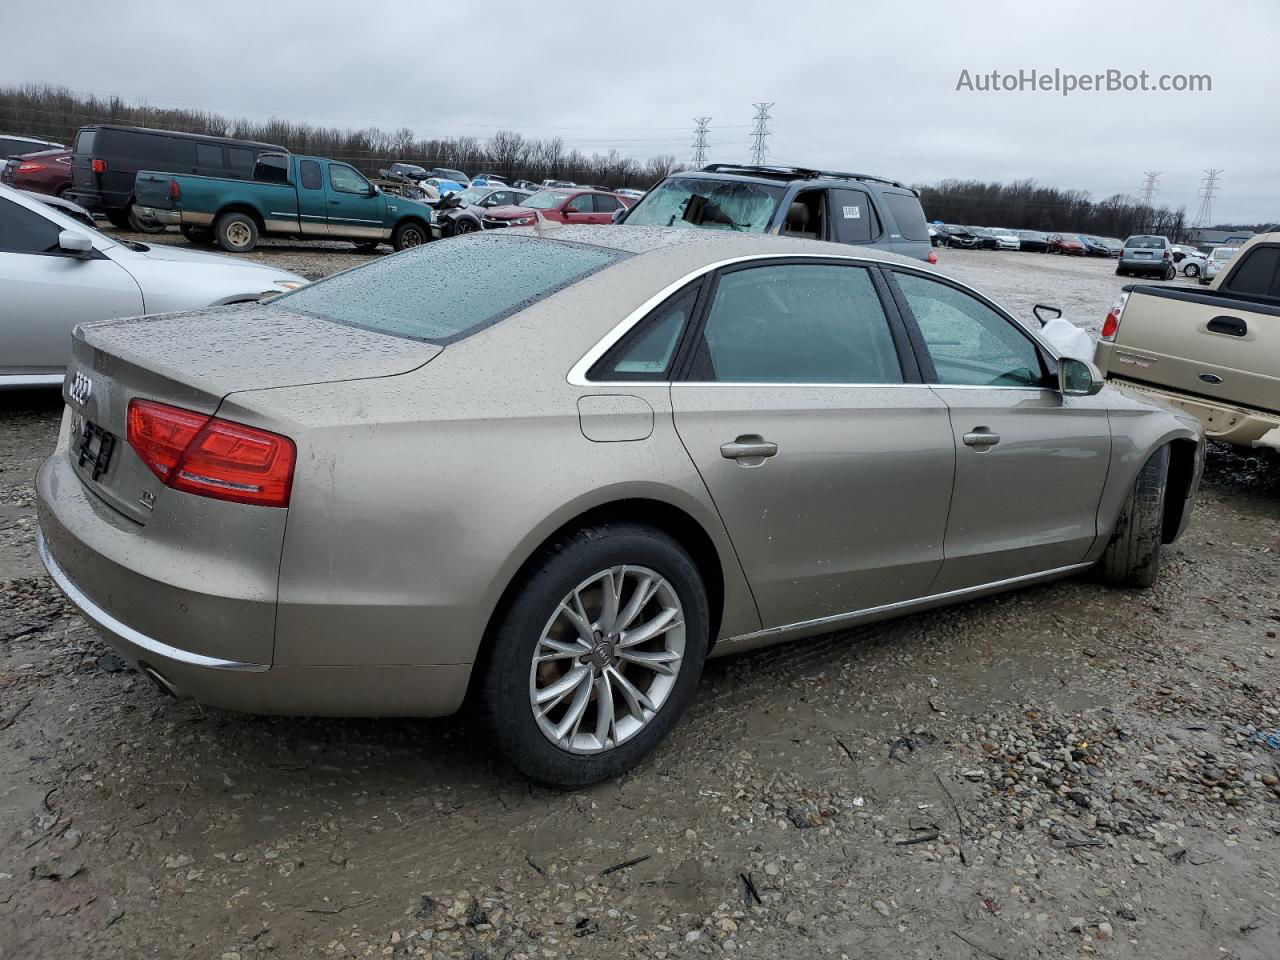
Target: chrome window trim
point(105, 621)
point(577, 375)
point(32, 379)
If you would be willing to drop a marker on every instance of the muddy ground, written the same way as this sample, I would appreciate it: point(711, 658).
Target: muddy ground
point(1064, 771)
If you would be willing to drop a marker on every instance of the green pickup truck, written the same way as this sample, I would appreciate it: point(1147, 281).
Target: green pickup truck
point(289, 196)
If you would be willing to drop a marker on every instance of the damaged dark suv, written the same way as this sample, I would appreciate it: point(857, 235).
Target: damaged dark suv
point(853, 208)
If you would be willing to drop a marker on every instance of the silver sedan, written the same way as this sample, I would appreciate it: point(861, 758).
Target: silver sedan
point(56, 271)
point(549, 473)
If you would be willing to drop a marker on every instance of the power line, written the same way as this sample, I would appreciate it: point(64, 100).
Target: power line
point(1150, 187)
point(759, 136)
point(700, 140)
point(1208, 190)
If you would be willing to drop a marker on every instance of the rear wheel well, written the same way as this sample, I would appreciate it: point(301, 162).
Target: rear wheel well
point(1182, 469)
point(244, 208)
point(673, 521)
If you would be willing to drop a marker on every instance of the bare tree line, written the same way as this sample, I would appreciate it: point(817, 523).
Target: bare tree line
point(55, 113)
point(1027, 205)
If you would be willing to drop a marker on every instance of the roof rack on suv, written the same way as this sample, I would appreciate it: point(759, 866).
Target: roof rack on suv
point(797, 173)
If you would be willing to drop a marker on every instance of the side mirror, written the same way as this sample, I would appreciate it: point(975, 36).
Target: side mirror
point(617, 214)
point(373, 190)
point(1078, 378)
point(74, 243)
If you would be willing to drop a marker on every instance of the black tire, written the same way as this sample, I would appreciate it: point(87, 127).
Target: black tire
point(118, 218)
point(138, 225)
point(502, 696)
point(464, 225)
point(62, 191)
point(411, 233)
point(1169, 272)
point(1121, 273)
point(200, 236)
point(236, 232)
point(1132, 558)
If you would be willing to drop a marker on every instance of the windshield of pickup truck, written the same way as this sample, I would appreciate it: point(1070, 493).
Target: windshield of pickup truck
point(713, 204)
point(545, 199)
point(442, 292)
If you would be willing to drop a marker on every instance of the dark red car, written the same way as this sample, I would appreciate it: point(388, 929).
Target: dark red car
point(48, 171)
point(1067, 243)
point(559, 206)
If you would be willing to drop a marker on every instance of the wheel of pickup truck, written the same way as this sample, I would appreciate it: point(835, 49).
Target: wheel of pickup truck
point(411, 233)
point(139, 225)
point(236, 232)
point(1132, 558)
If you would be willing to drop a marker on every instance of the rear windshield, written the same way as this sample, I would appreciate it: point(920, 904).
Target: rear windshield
point(711, 204)
point(1145, 243)
point(441, 292)
point(84, 141)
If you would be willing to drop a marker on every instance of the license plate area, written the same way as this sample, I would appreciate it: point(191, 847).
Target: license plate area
point(93, 447)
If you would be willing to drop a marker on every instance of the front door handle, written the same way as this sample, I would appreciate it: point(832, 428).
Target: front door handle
point(1231, 326)
point(335, 202)
point(981, 438)
point(749, 446)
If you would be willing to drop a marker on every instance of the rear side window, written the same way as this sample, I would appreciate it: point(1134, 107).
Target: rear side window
point(442, 292)
point(853, 218)
point(648, 349)
point(209, 155)
point(309, 174)
point(241, 159)
point(796, 323)
point(908, 214)
point(1257, 274)
point(147, 149)
point(271, 168)
point(605, 204)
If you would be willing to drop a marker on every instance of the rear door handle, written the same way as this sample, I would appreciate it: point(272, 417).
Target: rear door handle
point(749, 446)
point(1231, 326)
point(981, 437)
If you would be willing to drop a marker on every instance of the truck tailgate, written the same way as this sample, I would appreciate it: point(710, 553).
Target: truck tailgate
point(1222, 347)
point(151, 189)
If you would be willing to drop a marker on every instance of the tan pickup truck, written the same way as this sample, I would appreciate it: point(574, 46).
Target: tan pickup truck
point(1214, 353)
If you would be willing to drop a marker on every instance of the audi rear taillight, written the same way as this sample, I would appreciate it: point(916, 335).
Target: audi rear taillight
point(1111, 325)
point(211, 457)
point(98, 166)
point(175, 191)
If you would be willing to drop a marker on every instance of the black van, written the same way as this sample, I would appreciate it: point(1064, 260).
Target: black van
point(106, 158)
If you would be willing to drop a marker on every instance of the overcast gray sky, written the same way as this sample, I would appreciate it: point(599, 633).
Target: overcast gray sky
point(866, 86)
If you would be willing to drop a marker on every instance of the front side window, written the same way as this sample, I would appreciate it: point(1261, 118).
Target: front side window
point(970, 343)
point(580, 204)
point(345, 180)
point(1257, 274)
point(441, 292)
point(796, 323)
point(712, 204)
point(24, 231)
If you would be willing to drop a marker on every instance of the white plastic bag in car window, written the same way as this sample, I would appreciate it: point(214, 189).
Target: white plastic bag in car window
point(1068, 339)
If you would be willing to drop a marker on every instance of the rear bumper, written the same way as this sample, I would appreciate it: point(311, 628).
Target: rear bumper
point(1222, 422)
point(1152, 266)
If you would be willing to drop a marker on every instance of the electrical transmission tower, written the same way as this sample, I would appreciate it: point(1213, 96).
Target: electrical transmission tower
point(760, 135)
point(1208, 190)
point(1150, 187)
point(700, 140)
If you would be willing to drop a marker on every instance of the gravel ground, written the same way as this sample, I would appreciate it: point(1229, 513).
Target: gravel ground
point(1064, 771)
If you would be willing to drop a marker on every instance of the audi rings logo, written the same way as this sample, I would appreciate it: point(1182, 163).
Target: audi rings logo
point(81, 389)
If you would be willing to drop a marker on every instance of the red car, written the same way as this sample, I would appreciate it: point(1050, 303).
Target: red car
point(48, 171)
point(559, 206)
point(1067, 243)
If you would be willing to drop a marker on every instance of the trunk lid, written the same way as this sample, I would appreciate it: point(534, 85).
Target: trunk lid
point(194, 360)
point(1215, 346)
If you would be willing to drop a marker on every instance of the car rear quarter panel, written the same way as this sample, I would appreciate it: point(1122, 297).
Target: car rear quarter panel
point(418, 498)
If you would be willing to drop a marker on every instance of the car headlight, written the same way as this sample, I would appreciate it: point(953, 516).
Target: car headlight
point(523, 221)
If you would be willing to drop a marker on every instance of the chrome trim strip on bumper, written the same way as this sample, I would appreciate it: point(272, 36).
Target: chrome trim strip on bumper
point(822, 624)
point(109, 623)
point(32, 379)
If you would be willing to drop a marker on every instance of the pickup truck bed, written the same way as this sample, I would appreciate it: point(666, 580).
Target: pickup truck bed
point(1214, 353)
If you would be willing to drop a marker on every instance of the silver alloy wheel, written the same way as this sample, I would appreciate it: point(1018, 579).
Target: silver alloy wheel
point(238, 234)
point(607, 660)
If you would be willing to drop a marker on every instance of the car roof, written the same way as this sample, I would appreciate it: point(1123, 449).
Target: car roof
point(181, 134)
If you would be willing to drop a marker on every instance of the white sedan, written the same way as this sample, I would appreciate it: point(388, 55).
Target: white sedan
point(1005, 240)
point(56, 272)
